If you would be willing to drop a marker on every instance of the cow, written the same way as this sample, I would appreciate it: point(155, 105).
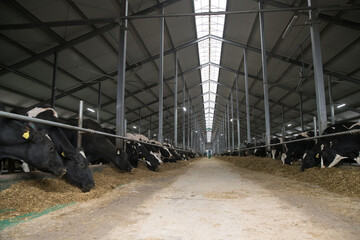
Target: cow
point(22, 141)
point(341, 147)
point(166, 156)
point(98, 148)
point(150, 158)
point(260, 151)
point(276, 150)
point(75, 161)
point(312, 157)
point(296, 150)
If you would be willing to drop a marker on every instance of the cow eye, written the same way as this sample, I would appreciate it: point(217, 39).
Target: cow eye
point(51, 149)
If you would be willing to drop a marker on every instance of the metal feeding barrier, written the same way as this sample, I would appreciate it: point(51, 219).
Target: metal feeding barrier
point(352, 132)
point(80, 129)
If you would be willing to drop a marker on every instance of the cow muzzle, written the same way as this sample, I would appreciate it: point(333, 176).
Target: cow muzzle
point(63, 172)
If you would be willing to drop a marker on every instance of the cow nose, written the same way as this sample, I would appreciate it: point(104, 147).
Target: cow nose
point(87, 187)
point(63, 172)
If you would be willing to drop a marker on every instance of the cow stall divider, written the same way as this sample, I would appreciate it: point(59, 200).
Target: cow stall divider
point(352, 132)
point(80, 129)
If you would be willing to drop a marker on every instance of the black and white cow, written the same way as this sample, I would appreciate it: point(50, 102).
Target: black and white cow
point(325, 145)
point(22, 141)
point(296, 150)
point(98, 148)
point(151, 159)
point(341, 147)
point(276, 150)
point(75, 161)
point(260, 151)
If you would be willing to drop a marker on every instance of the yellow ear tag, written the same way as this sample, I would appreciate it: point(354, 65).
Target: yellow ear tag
point(26, 135)
point(63, 154)
point(317, 155)
point(143, 158)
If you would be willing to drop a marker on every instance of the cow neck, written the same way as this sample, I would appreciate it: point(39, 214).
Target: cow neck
point(18, 151)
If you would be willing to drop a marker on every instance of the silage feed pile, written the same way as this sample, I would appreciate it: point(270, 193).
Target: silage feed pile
point(34, 196)
point(345, 181)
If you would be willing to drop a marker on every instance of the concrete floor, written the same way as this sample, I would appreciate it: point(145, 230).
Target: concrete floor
point(210, 200)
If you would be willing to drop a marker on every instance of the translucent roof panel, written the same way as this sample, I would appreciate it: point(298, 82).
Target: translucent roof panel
point(209, 52)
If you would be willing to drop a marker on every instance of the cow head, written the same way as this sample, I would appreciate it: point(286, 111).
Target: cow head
point(78, 173)
point(133, 156)
point(310, 159)
point(121, 161)
point(150, 160)
point(289, 158)
point(329, 157)
point(41, 154)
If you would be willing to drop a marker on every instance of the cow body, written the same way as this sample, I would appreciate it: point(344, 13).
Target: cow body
point(297, 150)
point(344, 146)
point(98, 148)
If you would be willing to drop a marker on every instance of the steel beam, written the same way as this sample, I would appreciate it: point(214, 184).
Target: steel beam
point(120, 95)
point(175, 100)
point(161, 78)
point(54, 81)
point(318, 70)
point(247, 102)
point(265, 82)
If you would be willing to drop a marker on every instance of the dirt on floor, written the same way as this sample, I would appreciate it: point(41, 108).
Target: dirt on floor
point(345, 180)
point(31, 196)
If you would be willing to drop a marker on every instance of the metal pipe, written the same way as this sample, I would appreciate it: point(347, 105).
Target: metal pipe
point(265, 82)
point(188, 121)
point(301, 112)
point(232, 122)
point(120, 95)
point(175, 100)
point(184, 108)
point(125, 127)
point(318, 70)
point(315, 127)
point(99, 104)
point(247, 98)
point(237, 111)
point(161, 78)
point(80, 122)
point(228, 124)
point(332, 108)
point(54, 81)
point(139, 120)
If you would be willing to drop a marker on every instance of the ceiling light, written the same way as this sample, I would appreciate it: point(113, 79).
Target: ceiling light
point(91, 110)
point(289, 125)
point(184, 108)
point(154, 134)
point(134, 127)
point(341, 105)
point(287, 30)
point(231, 120)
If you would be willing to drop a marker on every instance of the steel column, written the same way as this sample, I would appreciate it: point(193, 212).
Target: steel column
point(175, 100)
point(232, 122)
point(161, 77)
point(332, 109)
point(237, 111)
point(247, 99)
point(99, 104)
point(188, 121)
point(301, 113)
point(265, 82)
point(139, 120)
point(54, 81)
point(120, 96)
point(184, 116)
point(318, 69)
point(228, 124)
point(80, 123)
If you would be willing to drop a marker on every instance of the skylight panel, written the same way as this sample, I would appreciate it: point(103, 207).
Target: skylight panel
point(209, 52)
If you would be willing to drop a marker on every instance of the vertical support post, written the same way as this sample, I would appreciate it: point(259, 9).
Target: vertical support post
point(188, 121)
point(161, 77)
point(54, 81)
point(99, 104)
point(301, 113)
point(225, 130)
point(248, 130)
point(237, 111)
point(232, 122)
point(125, 127)
point(175, 100)
point(139, 120)
point(265, 82)
point(80, 121)
point(228, 124)
point(183, 125)
point(318, 68)
point(315, 128)
point(332, 109)
point(283, 123)
point(120, 96)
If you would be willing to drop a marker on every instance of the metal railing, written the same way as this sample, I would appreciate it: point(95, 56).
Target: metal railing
point(352, 132)
point(80, 129)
